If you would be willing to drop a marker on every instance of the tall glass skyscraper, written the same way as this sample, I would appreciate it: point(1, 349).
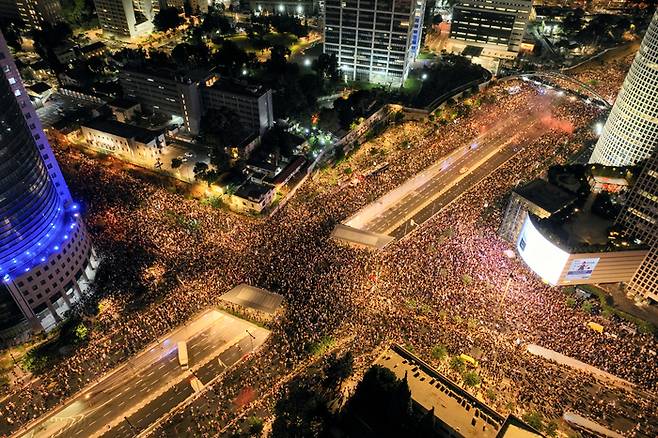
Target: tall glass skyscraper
point(631, 132)
point(45, 253)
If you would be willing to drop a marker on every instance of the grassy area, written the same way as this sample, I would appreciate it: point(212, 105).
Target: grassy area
point(642, 325)
point(412, 85)
point(320, 347)
point(426, 55)
point(274, 38)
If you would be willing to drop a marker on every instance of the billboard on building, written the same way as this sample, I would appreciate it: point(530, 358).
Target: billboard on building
point(540, 254)
point(581, 269)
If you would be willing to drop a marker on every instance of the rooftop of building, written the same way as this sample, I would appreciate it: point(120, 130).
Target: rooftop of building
point(98, 45)
point(296, 162)
point(545, 195)
point(241, 88)
point(124, 130)
point(612, 174)
point(168, 71)
point(453, 406)
point(582, 220)
point(122, 103)
point(40, 87)
point(253, 191)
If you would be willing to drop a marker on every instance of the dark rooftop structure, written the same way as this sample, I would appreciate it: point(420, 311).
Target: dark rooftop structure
point(457, 412)
point(253, 192)
point(545, 195)
point(122, 103)
point(472, 51)
point(240, 88)
point(124, 130)
point(168, 71)
point(98, 45)
point(40, 87)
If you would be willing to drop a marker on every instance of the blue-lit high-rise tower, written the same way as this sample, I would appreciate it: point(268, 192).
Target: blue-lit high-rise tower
point(46, 259)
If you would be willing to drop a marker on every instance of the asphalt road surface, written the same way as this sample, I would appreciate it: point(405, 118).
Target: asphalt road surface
point(151, 384)
point(425, 194)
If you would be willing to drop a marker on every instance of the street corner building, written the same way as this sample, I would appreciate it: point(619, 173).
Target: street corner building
point(46, 258)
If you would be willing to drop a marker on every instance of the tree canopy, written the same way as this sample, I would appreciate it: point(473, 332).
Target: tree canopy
point(166, 19)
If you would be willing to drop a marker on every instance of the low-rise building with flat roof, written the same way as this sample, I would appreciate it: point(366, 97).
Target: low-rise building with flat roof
point(124, 109)
point(128, 142)
point(457, 412)
point(252, 197)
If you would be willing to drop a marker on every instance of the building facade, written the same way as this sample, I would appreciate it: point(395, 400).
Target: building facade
point(46, 259)
point(489, 32)
point(374, 40)
point(189, 96)
point(33, 13)
point(252, 104)
point(128, 142)
point(640, 217)
point(630, 134)
point(125, 18)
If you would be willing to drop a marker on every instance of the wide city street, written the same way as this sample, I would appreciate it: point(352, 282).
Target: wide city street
point(148, 386)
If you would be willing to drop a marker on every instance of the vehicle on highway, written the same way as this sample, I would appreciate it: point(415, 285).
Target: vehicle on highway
point(182, 355)
point(189, 154)
point(463, 170)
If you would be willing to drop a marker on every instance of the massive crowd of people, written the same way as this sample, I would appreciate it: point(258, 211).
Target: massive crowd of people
point(166, 257)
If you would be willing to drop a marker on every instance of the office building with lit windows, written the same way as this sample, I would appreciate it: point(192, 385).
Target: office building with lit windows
point(640, 217)
point(187, 95)
point(46, 259)
point(32, 13)
point(489, 29)
point(630, 134)
point(374, 40)
point(126, 18)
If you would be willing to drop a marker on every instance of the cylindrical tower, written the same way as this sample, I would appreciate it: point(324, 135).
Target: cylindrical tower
point(44, 249)
point(631, 132)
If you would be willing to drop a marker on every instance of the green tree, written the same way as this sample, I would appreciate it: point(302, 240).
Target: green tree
point(534, 419)
point(166, 19)
point(551, 428)
point(302, 412)
point(12, 33)
point(200, 170)
point(338, 369)
point(471, 378)
point(457, 364)
point(439, 352)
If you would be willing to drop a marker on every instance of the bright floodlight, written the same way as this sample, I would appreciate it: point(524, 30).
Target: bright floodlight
point(282, 8)
point(307, 62)
point(244, 72)
point(300, 9)
point(424, 76)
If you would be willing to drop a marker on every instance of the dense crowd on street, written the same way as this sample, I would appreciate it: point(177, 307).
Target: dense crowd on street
point(167, 257)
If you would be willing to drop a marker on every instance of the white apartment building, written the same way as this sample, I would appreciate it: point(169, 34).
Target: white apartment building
point(125, 18)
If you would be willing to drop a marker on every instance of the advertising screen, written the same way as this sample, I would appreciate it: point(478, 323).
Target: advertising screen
point(581, 269)
point(540, 254)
